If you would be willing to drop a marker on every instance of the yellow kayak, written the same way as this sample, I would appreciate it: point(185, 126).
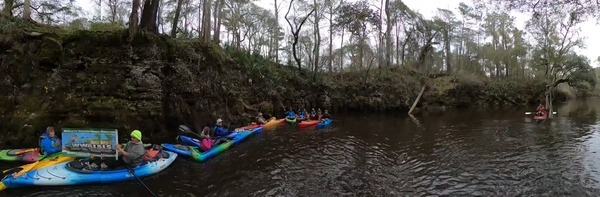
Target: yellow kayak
point(273, 122)
point(48, 161)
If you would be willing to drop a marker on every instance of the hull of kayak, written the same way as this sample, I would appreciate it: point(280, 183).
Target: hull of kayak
point(273, 123)
point(324, 123)
point(308, 123)
point(26, 154)
point(61, 174)
point(290, 120)
point(237, 137)
point(181, 150)
point(185, 140)
point(536, 117)
point(249, 127)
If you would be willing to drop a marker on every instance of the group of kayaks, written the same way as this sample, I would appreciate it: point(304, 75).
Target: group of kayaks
point(63, 169)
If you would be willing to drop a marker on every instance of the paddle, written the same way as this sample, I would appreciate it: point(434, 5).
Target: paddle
point(186, 129)
point(528, 113)
point(140, 180)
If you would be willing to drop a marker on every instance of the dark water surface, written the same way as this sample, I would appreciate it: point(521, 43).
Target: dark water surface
point(452, 152)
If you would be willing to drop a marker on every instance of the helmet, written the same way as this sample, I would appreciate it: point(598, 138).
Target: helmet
point(219, 120)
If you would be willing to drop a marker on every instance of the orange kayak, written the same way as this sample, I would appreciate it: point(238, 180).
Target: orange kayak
point(273, 122)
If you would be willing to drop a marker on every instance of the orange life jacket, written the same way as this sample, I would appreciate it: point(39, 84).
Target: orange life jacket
point(153, 153)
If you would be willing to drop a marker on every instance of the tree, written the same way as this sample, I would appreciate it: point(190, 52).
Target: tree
point(206, 20)
point(176, 18)
point(295, 30)
point(8, 7)
point(557, 35)
point(27, 10)
point(133, 18)
point(149, 16)
point(356, 17)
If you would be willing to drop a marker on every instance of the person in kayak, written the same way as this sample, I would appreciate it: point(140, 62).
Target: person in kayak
point(219, 129)
point(133, 154)
point(206, 143)
point(313, 114)
point(290, 113)
point(326, 115)
point(50, 144)
point(260, 119)
point(541, 110)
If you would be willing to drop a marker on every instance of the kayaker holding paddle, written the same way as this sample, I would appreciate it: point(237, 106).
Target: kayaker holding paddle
point(50, 143)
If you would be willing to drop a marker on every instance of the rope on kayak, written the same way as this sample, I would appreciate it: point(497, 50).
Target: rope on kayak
point(138, 178)
point(38, 174)
point(56, 175)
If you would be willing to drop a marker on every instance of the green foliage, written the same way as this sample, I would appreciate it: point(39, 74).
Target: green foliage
point(105, 26)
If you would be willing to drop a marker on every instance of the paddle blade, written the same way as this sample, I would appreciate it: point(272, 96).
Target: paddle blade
point(184, 129)
point(527, 113)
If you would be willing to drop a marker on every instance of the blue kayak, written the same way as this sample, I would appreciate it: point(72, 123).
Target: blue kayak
point(181, 150)
point(324, 123)
point(74, 173)
point(197, 154)
point(185, 140)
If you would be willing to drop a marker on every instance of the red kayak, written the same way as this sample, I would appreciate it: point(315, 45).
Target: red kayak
point(308, 123)
point(249, 127)
point(536, 117)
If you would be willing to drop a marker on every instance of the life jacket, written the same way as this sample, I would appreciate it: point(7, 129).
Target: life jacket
point(153, 154)
point(220, 131)
point(205, 144)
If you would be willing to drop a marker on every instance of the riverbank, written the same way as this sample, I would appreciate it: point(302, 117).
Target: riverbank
point(53, 76)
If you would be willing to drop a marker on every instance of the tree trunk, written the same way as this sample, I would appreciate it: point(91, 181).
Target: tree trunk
point(388, 34)
point(206, 21)
point(447, 49)
point(342, 52)
point(176, 19)
point(8, 6)
point(317, 45)
point(149, 15)
point(276, 31)
point(217, 17)
point(330, 63)
point(27, 10)
point(361, 48)
point(133, 18)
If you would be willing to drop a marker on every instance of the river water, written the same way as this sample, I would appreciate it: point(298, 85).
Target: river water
point(451, 152)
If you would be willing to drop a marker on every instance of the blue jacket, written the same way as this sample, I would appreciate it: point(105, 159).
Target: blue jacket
point(220, 131)
point(291, 114)
point(48, 143)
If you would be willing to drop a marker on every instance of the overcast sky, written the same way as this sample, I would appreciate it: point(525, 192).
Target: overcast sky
point(590, 30)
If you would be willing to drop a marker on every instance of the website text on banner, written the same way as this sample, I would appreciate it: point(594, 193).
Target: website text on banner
point(87, 142)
